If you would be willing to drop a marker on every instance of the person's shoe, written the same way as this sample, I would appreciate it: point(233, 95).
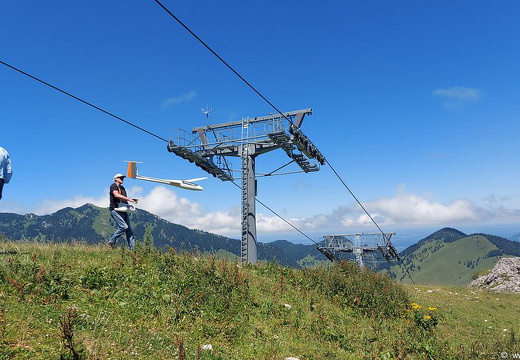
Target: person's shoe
point(112, 244)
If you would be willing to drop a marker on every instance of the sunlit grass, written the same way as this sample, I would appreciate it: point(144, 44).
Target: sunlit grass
point(92, 302)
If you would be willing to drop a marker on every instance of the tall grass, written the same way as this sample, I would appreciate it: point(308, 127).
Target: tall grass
point(91, 302)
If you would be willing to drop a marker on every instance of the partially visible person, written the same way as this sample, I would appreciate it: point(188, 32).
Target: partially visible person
point(118, 196)
point(5, 169)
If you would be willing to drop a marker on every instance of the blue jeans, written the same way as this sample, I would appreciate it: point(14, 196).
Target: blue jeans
point(123, 227)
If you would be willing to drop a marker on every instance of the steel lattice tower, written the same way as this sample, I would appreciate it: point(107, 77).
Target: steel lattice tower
point(358, 244)
point(210, 146)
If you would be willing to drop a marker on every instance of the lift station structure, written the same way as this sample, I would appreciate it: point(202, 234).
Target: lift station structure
point(358, 244)
point(210, 147)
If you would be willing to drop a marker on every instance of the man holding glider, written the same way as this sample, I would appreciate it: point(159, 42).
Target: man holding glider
point(119, 211)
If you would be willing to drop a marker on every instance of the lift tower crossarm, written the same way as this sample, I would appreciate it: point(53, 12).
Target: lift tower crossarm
point(297, 115)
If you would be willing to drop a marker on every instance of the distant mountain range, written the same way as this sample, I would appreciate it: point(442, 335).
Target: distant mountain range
point(94, 225)
point(514, 237)
point(447, 256)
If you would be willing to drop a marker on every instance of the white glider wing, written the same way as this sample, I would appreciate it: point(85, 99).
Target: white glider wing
point(183, 184)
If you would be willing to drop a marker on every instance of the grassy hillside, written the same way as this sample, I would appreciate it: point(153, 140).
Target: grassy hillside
point(454, 263)
point(75, 301)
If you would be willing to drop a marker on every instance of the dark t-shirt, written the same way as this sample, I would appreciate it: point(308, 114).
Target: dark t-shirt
point(113, 200)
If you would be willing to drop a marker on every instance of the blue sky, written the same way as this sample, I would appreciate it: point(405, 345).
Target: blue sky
point(415, 104)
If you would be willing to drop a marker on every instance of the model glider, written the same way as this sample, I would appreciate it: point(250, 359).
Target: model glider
point(184, 184)
point(125, 208)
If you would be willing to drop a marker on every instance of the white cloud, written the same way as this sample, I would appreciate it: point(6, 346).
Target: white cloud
point(179, 99)
point(49, 206)
point(459, 93)
point(265, 223)
point(413, 209)
point(457, 96)
point(220, 222)
point(167, 204)
point(400, 211)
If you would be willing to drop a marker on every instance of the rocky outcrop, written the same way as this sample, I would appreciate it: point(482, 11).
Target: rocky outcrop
point(504, 278)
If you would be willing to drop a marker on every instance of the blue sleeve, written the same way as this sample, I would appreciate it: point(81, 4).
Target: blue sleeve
point(5, 166)
point(8, 171)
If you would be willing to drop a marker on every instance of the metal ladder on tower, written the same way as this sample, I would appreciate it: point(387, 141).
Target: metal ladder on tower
point(245, 174)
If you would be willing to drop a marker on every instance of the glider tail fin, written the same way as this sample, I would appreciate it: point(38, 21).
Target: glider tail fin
point(132, 170)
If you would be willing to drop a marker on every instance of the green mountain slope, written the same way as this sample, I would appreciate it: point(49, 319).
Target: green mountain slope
point(447, 235)
point(451, 257)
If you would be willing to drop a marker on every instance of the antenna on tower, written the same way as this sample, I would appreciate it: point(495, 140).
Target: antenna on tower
point(207, 110)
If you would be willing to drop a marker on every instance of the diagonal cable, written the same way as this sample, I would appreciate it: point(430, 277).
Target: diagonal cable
point(83, 101)
point(280, 216)
point(262, 96)
point(274, 107)
point(222, 60)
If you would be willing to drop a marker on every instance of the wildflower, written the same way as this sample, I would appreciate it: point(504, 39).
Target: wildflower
point(416, 306)
point(431, 308)
point(427, 317)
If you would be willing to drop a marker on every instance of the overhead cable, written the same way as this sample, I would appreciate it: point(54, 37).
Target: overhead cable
point(280, 216)
point(136, 126)
point(165, 140)
point(354, 196)
point(277, 110)
point(262, 96)
point(222, 60)
point(83, 101)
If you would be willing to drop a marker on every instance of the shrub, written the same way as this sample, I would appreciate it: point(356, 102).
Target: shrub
point(370, 293)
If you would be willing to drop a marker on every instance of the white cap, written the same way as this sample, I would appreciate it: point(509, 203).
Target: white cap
point(119, 176)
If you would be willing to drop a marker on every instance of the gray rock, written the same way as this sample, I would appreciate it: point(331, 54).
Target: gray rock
point(503, 278)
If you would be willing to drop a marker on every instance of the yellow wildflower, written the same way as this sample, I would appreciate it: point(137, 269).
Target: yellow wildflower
point(431, 308)
point(416, 306)
point(427, 317)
